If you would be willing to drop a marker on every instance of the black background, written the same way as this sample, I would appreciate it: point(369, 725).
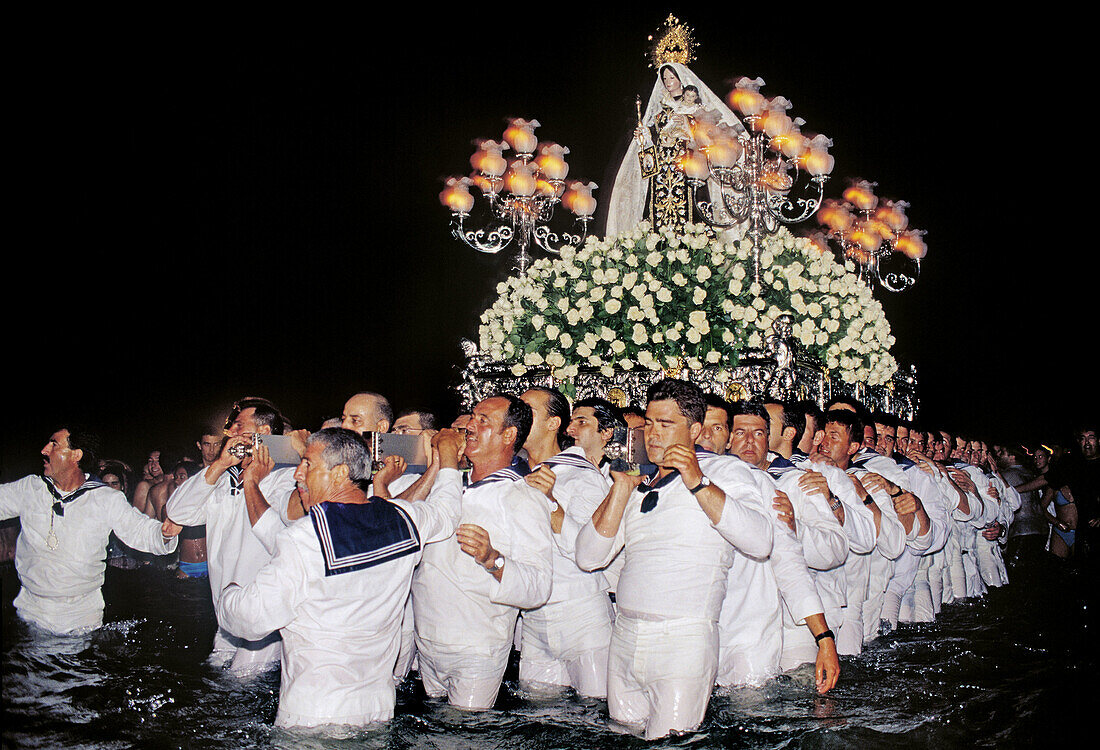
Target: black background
point(208, 207)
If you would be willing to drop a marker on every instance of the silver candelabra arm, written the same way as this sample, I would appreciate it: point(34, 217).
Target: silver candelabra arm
point(491, 239)
point(553, 242)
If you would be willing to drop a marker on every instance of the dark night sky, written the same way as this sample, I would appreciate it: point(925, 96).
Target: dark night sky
point(214, 214)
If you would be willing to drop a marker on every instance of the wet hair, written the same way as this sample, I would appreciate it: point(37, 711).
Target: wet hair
point(83, 439)
point(426, 419)
point(608, 416)
point(519, 416)
point(190, 465)
point(345, 447)
point(849, 419)
point(751, 408)
point(720, 403)
point(266, 414)
point(793, 417)
point(689, 398)
point(557, 405)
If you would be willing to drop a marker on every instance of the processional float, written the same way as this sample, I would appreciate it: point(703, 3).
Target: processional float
point(699, 275)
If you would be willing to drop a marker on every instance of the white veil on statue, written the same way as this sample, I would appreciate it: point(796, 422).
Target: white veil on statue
point(627, 203)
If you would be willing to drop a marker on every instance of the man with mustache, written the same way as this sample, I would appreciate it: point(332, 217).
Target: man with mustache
point(66, 517)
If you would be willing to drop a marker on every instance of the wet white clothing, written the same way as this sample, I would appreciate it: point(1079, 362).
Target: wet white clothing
point(750, 627)
point(825, 549)
point(461, 611)
point(574, 627)
point(236, 550)
point(341, 632)
point(663, 656)
point(60, 588)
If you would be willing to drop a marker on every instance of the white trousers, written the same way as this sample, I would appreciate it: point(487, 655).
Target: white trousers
point(468, 675)
point(244, 658)
point(61, 615)
point(660, 673)
point(566, 643)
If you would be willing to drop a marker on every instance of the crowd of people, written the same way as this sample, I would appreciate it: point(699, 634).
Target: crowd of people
point(757, 537)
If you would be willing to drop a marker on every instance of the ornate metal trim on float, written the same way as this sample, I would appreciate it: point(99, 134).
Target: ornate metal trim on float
point(737, 304)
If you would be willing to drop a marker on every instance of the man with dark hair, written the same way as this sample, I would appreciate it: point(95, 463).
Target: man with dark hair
point(66, 517)
point(469, 588)
point(679, 532)
point(243, 504)
point(716, 426)
point(840, 442)
point(773, 617)
point(192, 561)
point(592, 426)
point(413, 422)
point(565, 641)
point(337, 585)
point(812, 417)
point(1078, 479)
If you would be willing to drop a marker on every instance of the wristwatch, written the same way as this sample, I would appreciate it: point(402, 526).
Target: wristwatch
point(834, 504)
point(497, 564)
point(704, 482)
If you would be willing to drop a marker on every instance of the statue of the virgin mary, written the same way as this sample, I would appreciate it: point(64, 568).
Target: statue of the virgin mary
point(650, 183)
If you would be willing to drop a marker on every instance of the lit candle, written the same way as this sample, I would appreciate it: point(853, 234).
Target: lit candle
point(746, 97)
point(723, 153)
point(551, 161)
point(520, 179)
point(456, 195)
point(835, 215)
point(520, 134)
point(694, 165)
point(578, 198)
point(488, 159)
point(859, 195)
point(911, 244)
point(817, 162)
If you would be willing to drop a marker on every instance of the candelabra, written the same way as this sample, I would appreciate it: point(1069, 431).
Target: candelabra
point(875, 234)
point(746, 171)
point(521, 195)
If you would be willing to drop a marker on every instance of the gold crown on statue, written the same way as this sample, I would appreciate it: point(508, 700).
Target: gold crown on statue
point(677, 45)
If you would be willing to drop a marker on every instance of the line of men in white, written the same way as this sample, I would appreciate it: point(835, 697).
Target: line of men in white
point(762, 526)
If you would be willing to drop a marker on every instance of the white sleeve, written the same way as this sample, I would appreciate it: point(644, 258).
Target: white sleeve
point(436, 517)
point(269, 602)
point(824, 545)
point(744, 522)
point(792, 576)
point(594, 550)
point(276, 487)
point(932, 499)
point(187, 505)
point(528, 567)
point(859, 524)
point(891, 534)
point(584, 493)
point(136, 529)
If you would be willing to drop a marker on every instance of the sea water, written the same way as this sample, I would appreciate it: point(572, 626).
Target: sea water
point(1018, 667)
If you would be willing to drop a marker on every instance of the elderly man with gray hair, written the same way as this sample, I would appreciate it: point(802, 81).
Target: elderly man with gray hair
point(337, 585)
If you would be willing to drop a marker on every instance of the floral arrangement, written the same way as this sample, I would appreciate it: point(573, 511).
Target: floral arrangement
point(662, 300)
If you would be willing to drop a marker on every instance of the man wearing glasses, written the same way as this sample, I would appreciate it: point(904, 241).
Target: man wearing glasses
point(678, 532)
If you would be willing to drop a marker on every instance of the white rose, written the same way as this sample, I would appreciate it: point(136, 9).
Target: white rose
point(612, 306)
